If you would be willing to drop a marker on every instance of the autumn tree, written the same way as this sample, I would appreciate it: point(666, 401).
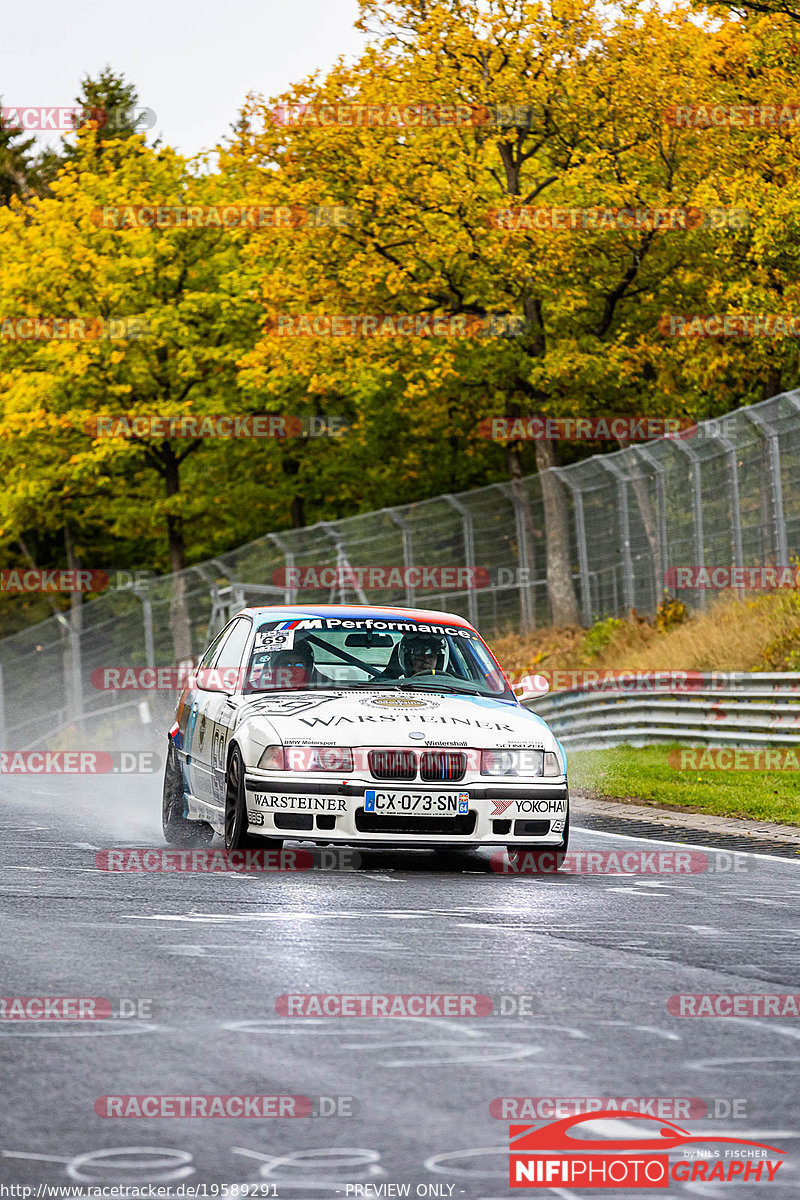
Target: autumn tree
point(194, 318)
point(579, 98)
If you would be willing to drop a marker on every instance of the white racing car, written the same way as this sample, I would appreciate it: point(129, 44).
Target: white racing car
point(362, 725)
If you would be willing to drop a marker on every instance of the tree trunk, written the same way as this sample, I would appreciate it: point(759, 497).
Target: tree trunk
point(772, 384)
point(526, 552)
point(563, 601)
point(297, 511)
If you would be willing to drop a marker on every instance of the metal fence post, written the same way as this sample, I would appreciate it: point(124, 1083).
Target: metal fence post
point(236, 586)
point(526, 606)
point(697, 509)
point(147, 626)
point(468, 530)
point(624, 527)
point(72, 672)
point(290, 592)
point(342, 565)
point(580, 537)
point(736, 510)
point(778, 520)
point(76, 670)
point(662, 544)
point(408, 551)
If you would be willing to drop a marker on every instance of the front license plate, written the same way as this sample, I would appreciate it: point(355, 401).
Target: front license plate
point(417, 804)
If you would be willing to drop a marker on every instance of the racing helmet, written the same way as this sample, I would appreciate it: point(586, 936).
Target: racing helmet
point(422, 653)
point(289, 668)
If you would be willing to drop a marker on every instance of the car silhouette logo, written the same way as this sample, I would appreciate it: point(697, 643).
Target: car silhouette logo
point(556, 1136)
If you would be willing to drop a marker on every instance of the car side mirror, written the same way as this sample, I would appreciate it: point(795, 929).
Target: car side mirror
point(531, 687)
point(215, 679)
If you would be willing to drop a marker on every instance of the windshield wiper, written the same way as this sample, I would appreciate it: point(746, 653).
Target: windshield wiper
point(372, 683)
point(410, 686)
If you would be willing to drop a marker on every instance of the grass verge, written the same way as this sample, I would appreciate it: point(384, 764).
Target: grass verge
point(645, 774)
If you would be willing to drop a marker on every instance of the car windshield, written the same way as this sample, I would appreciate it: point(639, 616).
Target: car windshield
point(355, 654)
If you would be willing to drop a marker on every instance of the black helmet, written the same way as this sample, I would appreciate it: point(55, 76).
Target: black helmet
point(428, 650)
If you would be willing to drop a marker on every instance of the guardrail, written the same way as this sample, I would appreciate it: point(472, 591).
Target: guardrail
point(754, 710)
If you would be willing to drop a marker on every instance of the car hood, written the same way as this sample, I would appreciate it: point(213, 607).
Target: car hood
point(389, 718)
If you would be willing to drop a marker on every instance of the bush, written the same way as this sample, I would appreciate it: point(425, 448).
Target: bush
point(600, 636)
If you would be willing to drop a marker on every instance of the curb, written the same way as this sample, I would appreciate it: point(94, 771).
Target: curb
point(758, 835)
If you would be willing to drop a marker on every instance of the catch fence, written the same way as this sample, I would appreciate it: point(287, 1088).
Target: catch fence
point(728, 496)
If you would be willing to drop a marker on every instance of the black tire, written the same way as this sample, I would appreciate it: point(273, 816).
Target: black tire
point(547, 860)
point(236, 835)
point(178, 829)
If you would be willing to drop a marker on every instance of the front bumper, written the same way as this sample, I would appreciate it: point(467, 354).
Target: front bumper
point(499, 813)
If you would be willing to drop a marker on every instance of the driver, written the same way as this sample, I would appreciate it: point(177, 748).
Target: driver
point(422, 654)
point(286, 670)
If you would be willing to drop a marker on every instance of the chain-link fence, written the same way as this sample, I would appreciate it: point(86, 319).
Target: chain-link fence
point(728, 496)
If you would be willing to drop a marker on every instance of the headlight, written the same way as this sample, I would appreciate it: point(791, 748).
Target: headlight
point(517, 763)
point(307, 758)
point(272, 759)
point(552, 764)
point(320, 758)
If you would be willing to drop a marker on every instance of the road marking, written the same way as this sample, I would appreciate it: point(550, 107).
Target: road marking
point(627, 837)
point(34, 1157)
point(435, 1162)
point(96, 1028)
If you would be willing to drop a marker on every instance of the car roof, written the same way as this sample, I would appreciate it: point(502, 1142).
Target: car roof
point(354, 611)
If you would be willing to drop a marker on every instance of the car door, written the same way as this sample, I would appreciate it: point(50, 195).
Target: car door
point(220, 710)
point(197, 737)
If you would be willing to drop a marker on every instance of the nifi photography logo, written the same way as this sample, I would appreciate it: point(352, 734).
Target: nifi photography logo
point(562, 1154)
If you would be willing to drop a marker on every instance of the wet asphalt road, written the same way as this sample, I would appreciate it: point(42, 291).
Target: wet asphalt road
point(601, 954)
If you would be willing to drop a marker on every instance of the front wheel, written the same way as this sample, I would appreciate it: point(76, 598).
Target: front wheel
point(178, 829)
point(543, 860)
point(236, 835)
